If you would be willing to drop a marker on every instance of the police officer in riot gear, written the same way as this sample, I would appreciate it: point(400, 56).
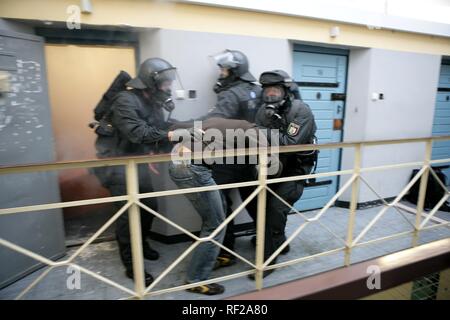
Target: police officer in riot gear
point(238, 97)
point(293, 123)
point(139, 125)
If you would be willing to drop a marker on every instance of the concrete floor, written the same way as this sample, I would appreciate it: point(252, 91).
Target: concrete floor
point(103, 258)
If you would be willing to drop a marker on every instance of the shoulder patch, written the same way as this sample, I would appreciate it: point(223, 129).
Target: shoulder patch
point(293, 129)
point(252, 94)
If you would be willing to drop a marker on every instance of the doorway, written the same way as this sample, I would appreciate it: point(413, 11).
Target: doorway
point(78, 75)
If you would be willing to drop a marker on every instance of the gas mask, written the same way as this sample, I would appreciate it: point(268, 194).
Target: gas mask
point(161, 93)
point(274, 101)
point(163, 99)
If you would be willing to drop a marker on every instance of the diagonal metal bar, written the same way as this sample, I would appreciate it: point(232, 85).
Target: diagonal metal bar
point(218, 229)
point(101, 230)
point(334, 198)
point(414, 211)
point(168, 221)
point(235, 212)
point(434, 210)
point(288, 240)
point(384, 201)
point(34, 283)
point(30, 254)
point(233, 253)
point(61, 263)
point(181, 258)
point(303, 216)
point(301, 227)
point(101, 278)
point(443, 186)
point(382, 211)
point(445, 224)
point(173, 265)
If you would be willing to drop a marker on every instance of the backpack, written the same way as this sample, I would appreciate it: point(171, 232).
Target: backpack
point(434, 191)
point(106, 138)
point(102, 111)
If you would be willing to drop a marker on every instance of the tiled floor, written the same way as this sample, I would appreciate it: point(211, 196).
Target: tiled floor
point(103, 258)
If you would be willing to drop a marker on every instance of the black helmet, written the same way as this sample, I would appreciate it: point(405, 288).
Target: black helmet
point(280, 77)
point(276, 77)
point(151, 73)
point(237, 62)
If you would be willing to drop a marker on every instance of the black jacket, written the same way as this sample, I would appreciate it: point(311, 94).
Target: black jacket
point(239, 100)
point(296, 126)
point(140, 125)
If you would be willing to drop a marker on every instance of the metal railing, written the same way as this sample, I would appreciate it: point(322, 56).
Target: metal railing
point(133, 203)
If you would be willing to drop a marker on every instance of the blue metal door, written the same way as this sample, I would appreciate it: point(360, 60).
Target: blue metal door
point(322, 81)
point(441, 123)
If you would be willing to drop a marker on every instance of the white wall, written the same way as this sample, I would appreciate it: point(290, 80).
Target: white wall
point(190, 52)
point(408, 82)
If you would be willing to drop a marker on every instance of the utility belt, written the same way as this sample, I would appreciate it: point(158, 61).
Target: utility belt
point(307, 160)
point(310, 155)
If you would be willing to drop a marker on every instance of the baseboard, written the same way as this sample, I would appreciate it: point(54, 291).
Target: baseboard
point(31, 269)
point(363, 205)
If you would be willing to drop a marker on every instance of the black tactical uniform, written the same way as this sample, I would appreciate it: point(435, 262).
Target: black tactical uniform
point(296, 125)
point(139, 128)
point(237, 98)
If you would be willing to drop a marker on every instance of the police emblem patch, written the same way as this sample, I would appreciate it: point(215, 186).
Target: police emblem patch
point(293, 129)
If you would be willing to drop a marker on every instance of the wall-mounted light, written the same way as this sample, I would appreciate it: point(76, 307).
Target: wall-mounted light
point(86, 6)
point(180, 94)
point(335, 31)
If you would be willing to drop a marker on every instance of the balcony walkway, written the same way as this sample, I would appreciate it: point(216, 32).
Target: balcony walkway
point(103, 258)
